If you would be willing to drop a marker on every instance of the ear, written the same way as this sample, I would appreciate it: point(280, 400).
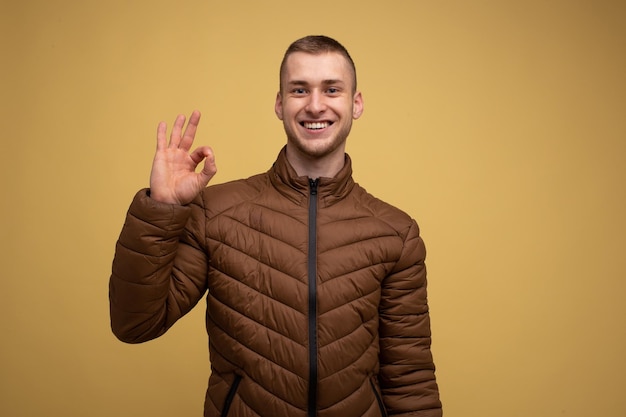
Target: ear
point(357, 107)
point(278, 106)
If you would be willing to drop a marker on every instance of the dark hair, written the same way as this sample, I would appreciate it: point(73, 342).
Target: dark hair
point(317, 44)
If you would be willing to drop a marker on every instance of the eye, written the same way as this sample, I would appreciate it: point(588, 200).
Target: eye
point(298, 91)
point(333, 90)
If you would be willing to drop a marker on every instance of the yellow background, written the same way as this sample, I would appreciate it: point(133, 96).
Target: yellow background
point(499, 125)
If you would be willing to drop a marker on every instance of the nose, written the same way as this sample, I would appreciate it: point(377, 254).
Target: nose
point(316, 103)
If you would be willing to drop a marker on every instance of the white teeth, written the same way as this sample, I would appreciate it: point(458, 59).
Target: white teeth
point(316, 125)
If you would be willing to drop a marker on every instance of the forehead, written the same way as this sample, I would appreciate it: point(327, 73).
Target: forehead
point(302, 66)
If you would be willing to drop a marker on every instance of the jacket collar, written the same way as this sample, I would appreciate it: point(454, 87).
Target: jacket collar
point(330, 190)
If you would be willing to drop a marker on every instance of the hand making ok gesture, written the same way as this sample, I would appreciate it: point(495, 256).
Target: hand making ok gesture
point(173, 178)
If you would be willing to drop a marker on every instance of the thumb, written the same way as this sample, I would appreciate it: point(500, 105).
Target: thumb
point(209, 169)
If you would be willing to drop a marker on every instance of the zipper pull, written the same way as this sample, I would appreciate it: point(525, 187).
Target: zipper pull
point(313, 184)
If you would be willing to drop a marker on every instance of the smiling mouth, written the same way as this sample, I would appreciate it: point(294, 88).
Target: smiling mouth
point(315, 125)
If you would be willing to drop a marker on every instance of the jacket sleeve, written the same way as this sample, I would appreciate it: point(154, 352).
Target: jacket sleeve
point(407, 371)
point(159, 268)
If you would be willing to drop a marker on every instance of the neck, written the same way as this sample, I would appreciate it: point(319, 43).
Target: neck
point(315, 167)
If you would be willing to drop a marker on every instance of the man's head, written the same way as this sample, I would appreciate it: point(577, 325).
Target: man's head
point(316, 45)
point(317, 100)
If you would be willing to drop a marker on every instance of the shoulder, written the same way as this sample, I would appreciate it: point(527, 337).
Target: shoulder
point(393, 216)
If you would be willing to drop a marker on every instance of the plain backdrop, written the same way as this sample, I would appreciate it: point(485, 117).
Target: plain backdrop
point(499, 125)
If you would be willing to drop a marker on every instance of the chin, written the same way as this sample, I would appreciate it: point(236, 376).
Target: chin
point(318, 148)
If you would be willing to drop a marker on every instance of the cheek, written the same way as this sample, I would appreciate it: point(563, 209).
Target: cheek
point(288, 111)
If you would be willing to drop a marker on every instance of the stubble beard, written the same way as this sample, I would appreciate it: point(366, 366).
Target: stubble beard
point(319, 148)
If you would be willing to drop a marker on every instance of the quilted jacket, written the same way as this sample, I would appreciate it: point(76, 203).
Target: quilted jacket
point(315, 291)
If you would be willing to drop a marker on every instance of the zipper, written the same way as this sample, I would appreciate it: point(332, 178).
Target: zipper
point(381, 405)
point(312, 276)
point(230, 396)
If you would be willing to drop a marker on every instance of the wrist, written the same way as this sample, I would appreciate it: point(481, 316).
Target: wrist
point(161, 198)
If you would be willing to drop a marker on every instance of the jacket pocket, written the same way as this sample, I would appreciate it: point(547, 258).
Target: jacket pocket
point(230, 396)
point(379, 398)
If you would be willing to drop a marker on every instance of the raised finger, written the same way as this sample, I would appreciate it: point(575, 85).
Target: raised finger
point(190, 131)
point(162, 136)
point(177, 129)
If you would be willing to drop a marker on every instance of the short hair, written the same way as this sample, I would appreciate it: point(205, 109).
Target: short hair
point(315, 45)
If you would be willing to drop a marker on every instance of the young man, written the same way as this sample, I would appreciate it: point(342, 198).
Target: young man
point(316, 300)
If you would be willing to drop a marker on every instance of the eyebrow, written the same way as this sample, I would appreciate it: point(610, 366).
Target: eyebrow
point(305, 83)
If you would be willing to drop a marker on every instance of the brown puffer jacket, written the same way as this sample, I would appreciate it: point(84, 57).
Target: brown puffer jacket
point(354, 341)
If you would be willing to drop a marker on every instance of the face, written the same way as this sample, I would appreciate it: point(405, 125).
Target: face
point(317, 103)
